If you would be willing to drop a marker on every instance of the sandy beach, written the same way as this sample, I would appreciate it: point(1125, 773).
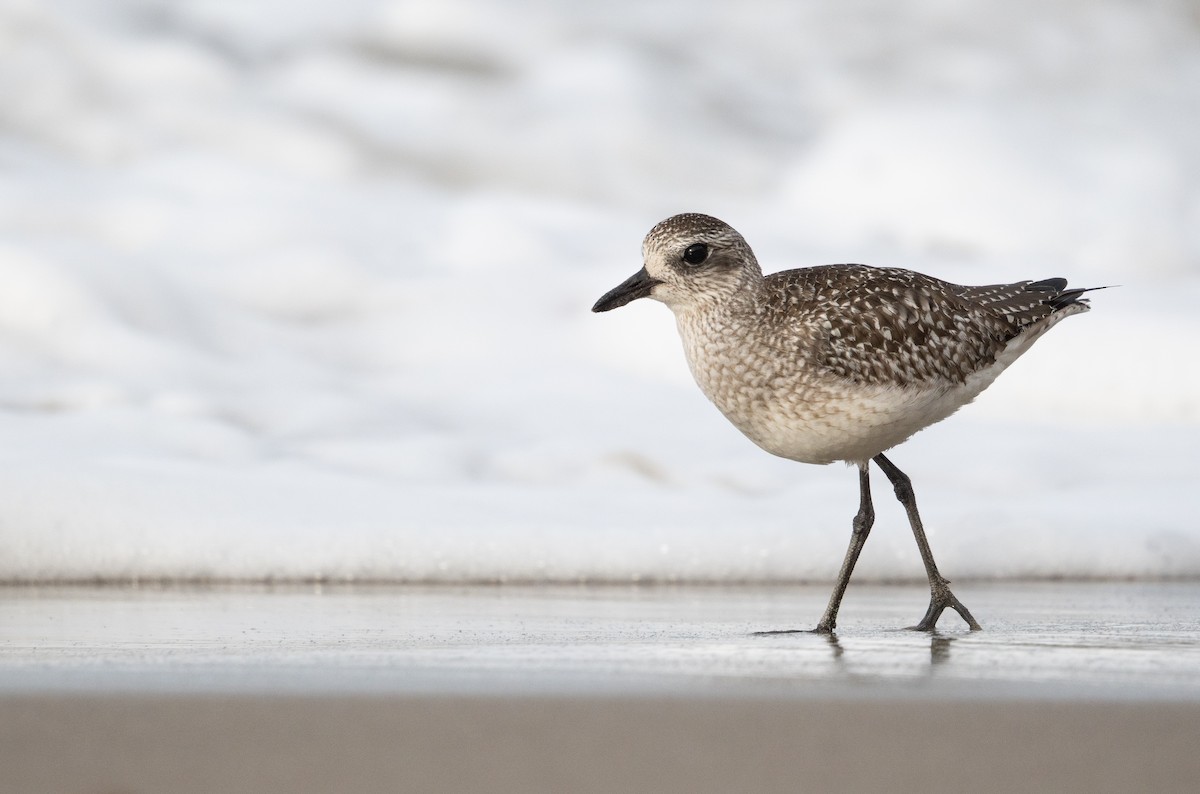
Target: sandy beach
point(587, 744)
point(1071, 687)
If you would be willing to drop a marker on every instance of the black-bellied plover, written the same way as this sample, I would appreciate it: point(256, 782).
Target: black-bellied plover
point(839, 362)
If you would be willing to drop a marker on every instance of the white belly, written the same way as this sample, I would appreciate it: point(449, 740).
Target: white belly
point(816, 418)
point(853, 427)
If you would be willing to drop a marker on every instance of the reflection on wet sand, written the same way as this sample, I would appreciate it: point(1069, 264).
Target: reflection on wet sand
point(1124, 640)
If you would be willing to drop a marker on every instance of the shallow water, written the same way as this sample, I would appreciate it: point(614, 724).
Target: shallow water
point(1099, 640)
point(302, 290)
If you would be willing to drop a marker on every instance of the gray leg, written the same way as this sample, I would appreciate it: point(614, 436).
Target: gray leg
point(940, 596)
point(858, 537)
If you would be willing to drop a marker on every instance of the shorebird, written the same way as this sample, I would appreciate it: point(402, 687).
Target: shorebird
point(838, 362)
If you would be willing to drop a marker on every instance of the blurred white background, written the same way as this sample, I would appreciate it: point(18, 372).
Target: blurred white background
point(294, 290)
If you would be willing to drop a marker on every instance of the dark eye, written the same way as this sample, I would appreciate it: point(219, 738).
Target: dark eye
point(695, 254)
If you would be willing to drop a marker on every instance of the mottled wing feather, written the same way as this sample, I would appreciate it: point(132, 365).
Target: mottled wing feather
point(892, 326)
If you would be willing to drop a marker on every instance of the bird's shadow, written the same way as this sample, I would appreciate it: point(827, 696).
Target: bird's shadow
point(939, 644)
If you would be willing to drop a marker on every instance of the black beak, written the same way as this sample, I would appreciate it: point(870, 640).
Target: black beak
point(636, 286)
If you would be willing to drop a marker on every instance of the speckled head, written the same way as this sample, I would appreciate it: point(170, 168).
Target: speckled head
point(690, 260)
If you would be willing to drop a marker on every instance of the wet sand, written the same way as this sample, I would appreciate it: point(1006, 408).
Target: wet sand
point(1072, 687)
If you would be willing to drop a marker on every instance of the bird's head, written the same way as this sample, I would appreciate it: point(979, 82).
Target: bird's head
point(689, 261)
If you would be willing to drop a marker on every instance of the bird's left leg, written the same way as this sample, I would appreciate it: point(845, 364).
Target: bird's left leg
point(940, 596)
point(858, 537)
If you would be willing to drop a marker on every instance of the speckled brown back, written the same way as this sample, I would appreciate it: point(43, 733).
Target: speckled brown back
point(891, 326)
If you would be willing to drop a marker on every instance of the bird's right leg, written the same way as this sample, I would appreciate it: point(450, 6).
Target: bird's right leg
point(858, 537)
point(940, 596)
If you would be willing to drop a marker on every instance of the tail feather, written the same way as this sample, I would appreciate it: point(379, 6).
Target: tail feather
point(1047, 285)
point(1027, 303)
point(1069, 297)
